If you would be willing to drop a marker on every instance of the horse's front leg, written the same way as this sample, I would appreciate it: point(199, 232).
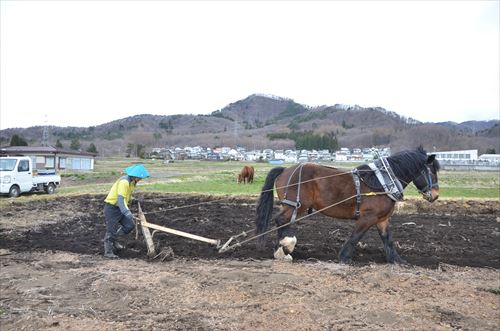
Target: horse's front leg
point(286, 236)
point(391, 255)
point(362, 225)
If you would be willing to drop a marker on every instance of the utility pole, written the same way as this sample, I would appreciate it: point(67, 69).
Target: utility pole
point(45, 133)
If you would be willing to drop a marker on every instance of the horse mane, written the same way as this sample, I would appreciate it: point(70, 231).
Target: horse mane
point(406, 165)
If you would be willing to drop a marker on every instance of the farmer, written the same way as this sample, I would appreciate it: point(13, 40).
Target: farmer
point(119, 219)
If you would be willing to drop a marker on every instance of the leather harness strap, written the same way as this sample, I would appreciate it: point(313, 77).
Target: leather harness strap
point(387, 179)
point(357, 185)
point(295, 204)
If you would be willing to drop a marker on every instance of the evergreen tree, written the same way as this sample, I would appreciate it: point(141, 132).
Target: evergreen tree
point(59, 144)
point(490, 151)
point(130, 149)
point(18, 141)
point(75, 144)
point(92, 148)
point(156, 137)
point(141, 151)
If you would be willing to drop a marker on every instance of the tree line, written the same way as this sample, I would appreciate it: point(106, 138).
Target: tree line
point(75, 144)
point(308, 139)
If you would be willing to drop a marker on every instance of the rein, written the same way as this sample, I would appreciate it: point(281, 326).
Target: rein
point(244, 233)
point(426, 173)
point(427, 190)
point(393, 189)
point(428, 179)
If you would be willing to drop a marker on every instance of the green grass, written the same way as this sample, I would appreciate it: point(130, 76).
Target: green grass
point(219, 178)
point(460, 192)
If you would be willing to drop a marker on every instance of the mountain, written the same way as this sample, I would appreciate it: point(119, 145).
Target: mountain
point(264, 121)
point(470, 126)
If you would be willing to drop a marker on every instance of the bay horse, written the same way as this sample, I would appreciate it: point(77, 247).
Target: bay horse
point(362, 194)
point(246, 175)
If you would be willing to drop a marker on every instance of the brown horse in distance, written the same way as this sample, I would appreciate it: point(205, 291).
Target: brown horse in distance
point(334, 193)
point(246, 175)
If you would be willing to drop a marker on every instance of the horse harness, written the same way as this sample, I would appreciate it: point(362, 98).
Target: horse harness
point(426, 173)
point(381, 168)
point(357, 185)
point(390, 183)
point(295, 204)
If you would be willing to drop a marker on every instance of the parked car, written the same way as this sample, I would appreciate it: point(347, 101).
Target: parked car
point(18, 176)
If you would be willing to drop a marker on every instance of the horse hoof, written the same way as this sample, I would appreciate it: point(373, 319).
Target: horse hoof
point(279, 254)
point(344, 259)
point(401, 262)
point(286, 258)
point(398, 261)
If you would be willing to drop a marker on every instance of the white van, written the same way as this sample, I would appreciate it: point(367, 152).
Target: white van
point(17, 176)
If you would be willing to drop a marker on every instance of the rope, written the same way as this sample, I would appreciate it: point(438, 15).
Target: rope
point(298, 219)
point(181, 207)
point(285, 187)
point(310, 180)
point(270, 190)
point(278, 187)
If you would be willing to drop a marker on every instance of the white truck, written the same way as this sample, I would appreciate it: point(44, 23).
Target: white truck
point(18, 176)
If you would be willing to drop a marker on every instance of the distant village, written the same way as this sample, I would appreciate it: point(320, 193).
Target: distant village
point(267, 155)
point(48, 157)
point(448, 158)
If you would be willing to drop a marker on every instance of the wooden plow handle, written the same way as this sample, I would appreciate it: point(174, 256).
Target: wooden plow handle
point(145, 225)
point(146, 233)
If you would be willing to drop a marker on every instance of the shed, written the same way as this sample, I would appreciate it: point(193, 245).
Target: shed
point(48, 157)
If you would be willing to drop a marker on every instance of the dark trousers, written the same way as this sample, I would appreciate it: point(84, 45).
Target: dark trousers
point(115, 219)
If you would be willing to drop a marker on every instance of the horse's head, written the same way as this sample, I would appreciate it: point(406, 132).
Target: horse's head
point(427, 181)
point(240, 178)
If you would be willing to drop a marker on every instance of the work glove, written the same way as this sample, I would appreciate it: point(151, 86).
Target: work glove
point(139, 200)
point(128, 215)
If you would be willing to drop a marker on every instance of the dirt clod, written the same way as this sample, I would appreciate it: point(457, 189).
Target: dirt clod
point(53, 275)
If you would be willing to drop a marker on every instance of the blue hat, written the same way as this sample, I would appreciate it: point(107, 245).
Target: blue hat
point(137, 170)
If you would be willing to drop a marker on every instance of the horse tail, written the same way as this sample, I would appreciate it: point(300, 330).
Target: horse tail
point(265, 203)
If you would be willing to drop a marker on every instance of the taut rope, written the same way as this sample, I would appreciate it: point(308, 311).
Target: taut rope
point(238, 244)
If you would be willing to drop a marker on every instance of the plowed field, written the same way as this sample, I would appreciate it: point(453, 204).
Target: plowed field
point(53, 275)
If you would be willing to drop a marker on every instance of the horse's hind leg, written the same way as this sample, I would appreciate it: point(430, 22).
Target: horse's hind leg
point(286, 236)
point(384, 230)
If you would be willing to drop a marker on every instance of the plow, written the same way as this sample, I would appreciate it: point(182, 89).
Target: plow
point(222, 247)
point(146, 228)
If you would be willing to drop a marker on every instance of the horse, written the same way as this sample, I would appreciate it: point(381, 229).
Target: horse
point(366, 194)
point(246, 175)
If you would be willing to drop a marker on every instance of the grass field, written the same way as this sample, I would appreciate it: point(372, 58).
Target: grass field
point(219, 178)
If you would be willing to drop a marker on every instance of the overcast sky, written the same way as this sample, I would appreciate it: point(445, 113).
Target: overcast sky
point(83, 63)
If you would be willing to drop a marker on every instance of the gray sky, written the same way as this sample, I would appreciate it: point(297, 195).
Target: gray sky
point(83, 63)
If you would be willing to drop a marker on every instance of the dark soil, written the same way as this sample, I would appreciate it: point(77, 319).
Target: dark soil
point(54, 277)
point(422, 239)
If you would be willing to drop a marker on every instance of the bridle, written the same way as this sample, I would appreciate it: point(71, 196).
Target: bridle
point(426, 191)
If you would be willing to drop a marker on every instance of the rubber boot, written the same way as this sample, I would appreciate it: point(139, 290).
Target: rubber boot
point(108, 250)
point(120, 232)
point(116, 244)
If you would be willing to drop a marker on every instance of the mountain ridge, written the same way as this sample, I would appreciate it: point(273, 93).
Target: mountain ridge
point(252, 122)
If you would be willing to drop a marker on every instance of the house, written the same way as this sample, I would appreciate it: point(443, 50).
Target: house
point(343, 154)
point(490, 158)
point(48, 157)
point(357, 155)
point(463, 156)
